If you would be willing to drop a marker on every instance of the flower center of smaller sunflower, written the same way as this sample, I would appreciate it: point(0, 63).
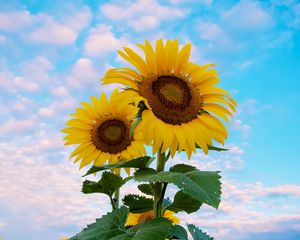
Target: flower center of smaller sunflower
point(111, 136)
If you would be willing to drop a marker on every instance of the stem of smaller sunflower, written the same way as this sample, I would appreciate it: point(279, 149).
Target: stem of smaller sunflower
point(159, 188)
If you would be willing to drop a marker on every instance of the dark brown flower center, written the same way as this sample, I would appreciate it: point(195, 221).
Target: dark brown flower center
point(172, 92)
point(172, 99)
point(111, 136)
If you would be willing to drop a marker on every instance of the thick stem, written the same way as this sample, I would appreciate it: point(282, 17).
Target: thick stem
point(112, 203)
point(117, 198)
point(159, 189)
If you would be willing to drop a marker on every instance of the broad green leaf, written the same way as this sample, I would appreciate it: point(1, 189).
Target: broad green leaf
point(141, 162)
point(107, 227)
point(138, 204)
point(157, 229)
point(203, 186)
point(213, 148)
point(108, 184)
point(198, 234)
point(179, 232)
point(112, 227)
point(184, 202)
point(182, 168)
point(146, 189)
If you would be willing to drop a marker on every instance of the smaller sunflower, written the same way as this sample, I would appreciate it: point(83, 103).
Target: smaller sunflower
point(102, 131)
point(136, 218)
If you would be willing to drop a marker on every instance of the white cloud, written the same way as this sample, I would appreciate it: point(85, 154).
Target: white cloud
point(48, 193)
point(60, 91)
point(2, 39)
point(23, 84)
point(37, 69)
point(150, 12)
point(245, 64)
point(83, 74)
point(17, 126)
point(49, 30)
point(211, 31)
point(101, 40)
point(247, 15)
point(238, 125)
point(53, 33)
point(21, 104)
point(15, 20)
point(45, 112)
point(203, 2)
point(144, 23)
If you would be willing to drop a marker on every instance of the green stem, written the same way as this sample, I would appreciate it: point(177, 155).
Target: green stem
point(117, 198)
point(159, 188)
point(112, 203)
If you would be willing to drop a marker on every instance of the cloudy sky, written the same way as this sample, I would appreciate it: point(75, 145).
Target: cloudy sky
point(52, 55)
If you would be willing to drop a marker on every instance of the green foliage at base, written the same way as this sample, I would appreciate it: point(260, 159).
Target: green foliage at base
point(112, 226)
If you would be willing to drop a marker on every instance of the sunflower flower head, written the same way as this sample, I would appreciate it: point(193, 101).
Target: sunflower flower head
point(102, 131)
point(184, 107)
point(137, 218)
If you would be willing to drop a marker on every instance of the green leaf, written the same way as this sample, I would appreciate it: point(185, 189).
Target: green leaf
point(138, 204)
point(157, 229)
point(146, 189)
point(203, 186)
point(112, 226)
point(141, 162)
point(108, 184)
point(213, 148)
point(184, 202)
point(107, 227)
point(198, 234)
point(179, 232)
point(182, 168)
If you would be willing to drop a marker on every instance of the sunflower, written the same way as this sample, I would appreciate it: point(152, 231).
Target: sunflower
point(136, 218)
point(183, 105)
point(102, 131)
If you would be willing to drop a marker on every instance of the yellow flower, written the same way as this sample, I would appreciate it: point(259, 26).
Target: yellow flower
point(184, 105)
point(102, 131)
point(136, 218)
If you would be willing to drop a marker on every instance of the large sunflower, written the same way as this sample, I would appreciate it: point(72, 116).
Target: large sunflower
point(136, 218)
point(184, 105)
point(102, 131)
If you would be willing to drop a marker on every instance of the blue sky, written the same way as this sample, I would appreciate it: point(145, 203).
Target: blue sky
point(53, 54)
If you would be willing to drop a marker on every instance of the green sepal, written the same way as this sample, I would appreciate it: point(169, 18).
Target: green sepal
point(141, 162)
point(178, 232)
point(134, 125)
point(203, 186)
point(138, 204)
point(197, 233)
point(184, 202)
point(146, 189)
point(108, 184)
